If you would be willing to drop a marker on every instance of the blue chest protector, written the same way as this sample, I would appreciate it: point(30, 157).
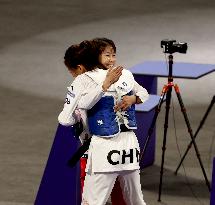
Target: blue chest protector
point(129, 116)
point(102, 119)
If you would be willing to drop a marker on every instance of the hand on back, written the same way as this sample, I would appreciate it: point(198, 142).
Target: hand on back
point(112, 76)
point(125, 103)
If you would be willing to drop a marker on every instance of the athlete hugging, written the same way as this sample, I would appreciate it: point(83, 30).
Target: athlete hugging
point(103, 96)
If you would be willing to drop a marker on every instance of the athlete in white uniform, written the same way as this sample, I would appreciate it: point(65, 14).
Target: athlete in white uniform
point(116, 155)
point(79, 60)
point(109, 156)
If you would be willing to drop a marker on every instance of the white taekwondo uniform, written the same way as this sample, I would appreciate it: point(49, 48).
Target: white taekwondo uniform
point(109, 156)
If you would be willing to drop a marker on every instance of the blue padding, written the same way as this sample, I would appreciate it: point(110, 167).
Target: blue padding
point(147, 106)
point(102, 118)
point(180, 70)
point(60, 184)
point(144, 120)
point(213, 185)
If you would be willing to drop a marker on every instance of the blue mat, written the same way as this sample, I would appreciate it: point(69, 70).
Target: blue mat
point(213, 185)
point(60, 184)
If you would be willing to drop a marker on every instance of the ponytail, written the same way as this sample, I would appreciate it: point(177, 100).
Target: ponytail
point(84, 54)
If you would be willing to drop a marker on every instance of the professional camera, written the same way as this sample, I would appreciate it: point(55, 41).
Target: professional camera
point(171, 46)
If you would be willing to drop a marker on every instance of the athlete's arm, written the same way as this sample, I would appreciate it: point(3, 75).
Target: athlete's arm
point(67, 117)
point(141, 93)
point(93, 93)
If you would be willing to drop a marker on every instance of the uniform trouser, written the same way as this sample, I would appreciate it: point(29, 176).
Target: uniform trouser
point(98, 187)
point(116, 194)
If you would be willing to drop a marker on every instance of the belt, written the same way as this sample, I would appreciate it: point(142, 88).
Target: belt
point(123, 128)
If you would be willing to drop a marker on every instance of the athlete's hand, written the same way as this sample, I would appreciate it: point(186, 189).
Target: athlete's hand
point(77, 115)
point(112, 76)
point(125, 103)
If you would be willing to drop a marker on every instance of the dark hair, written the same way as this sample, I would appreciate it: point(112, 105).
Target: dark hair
point(81, 54)
point(100, 45)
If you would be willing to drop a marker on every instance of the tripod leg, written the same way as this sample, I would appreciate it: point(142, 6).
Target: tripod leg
point(196, 133)
point(168, 100)
point(158, 108)
point(191, 133)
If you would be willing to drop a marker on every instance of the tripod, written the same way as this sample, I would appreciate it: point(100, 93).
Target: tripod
point(196, 133)
point(167, 91)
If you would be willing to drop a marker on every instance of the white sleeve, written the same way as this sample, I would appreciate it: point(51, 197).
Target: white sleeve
point(140, 92)
point(125, 83)
point(90, 97)
point(67, 116)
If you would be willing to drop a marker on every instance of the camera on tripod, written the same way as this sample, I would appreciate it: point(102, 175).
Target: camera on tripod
point(171, 46)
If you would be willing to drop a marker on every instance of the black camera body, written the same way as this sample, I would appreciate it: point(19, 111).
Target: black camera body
point(171, 46)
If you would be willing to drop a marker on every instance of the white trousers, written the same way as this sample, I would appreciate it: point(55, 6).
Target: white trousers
point(98, 187)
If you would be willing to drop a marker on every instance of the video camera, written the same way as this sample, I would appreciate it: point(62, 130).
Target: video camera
point(171, 46)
